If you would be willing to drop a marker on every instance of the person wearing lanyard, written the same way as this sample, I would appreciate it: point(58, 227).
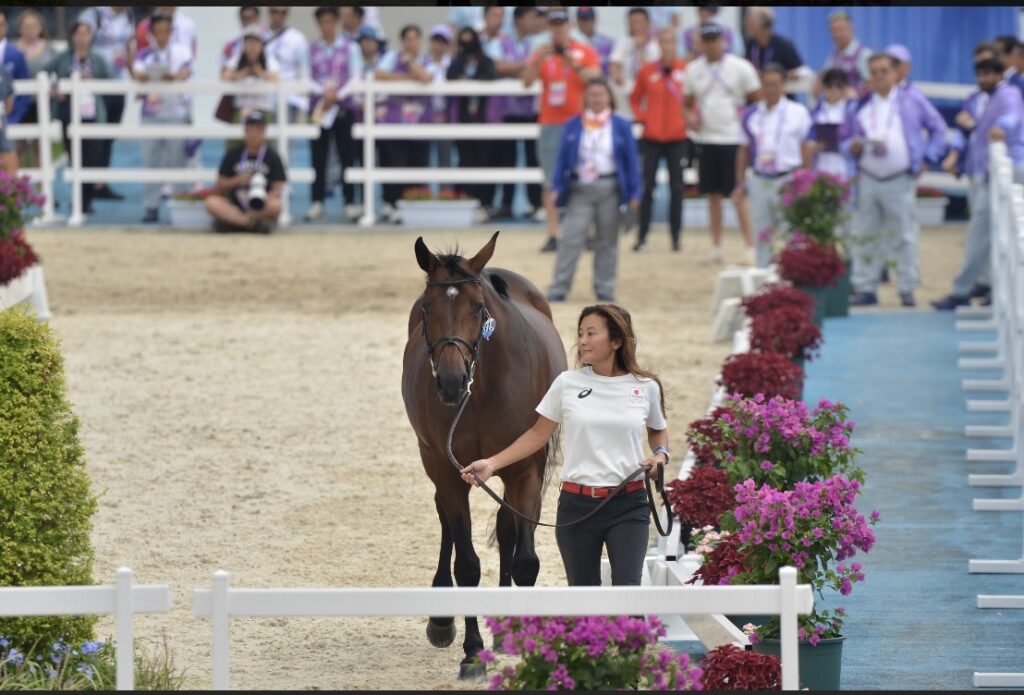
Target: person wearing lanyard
point(596, 174)
point(234, 206)
point(334, 60)
point(887, 141)
point(563, 65)
point(605, 408)
point(717, 86)
point(850, 56)
point(764, 46)
point(631, 53)
point(89, 65)
point(776, 142)
point(162, 61)
point(998, 114)
point(291, 49)
point(658, 104)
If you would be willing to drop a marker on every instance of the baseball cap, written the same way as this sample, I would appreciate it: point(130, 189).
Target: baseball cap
point(368, 32)
point(898, 51)
point(255, 118)
point(585, 13)
point(710, 30)
point(442, 31)
point(558, 15)
point(253, 32)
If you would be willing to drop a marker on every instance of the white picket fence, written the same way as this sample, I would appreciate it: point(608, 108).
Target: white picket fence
point(222, 602)
point(123, 600)
point(369, 174)
point(1006, 318)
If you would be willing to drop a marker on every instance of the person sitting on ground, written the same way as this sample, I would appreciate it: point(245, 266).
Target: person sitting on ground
point(241, 203)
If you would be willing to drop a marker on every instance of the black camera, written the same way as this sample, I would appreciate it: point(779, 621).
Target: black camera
point(559, 49)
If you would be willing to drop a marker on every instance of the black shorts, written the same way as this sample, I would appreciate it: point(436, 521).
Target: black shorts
point(717, 169)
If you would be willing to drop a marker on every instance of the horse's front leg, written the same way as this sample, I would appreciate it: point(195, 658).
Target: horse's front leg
point(441, 631)
point(467, 572)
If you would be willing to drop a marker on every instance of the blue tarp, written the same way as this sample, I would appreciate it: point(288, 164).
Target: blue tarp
point(940, 39)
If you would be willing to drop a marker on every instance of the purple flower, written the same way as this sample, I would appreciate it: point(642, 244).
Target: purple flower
point(486, 656)
point(767, 465)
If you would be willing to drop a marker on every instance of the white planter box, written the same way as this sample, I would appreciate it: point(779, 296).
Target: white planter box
point(437, 213)
point(695, 213)
point(16, 291)
point(930, 212)
point(188, 213)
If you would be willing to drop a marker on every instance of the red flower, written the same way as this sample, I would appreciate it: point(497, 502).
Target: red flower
point(702, 498)
point(723, 562)
point(773, 296)
point(16, 256)
point(730, 668)
point(788, 330)
point(807, 264)
point(767, 373)
point(704, 453)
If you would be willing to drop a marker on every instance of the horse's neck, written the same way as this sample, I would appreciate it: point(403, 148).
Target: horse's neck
point(500, 349)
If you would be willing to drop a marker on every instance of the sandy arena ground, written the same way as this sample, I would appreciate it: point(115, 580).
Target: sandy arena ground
point(241, 410)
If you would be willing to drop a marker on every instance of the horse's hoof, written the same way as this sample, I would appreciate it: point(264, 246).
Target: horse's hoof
point(472, 672)
point(441, 635)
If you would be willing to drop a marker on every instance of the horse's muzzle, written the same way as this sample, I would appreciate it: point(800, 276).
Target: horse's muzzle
point(451, 389)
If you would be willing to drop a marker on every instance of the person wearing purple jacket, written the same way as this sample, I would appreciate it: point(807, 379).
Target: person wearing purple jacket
point(994, 112)
point(887, 139)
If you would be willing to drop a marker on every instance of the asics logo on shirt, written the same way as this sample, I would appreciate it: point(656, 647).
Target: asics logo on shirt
point(584, 393)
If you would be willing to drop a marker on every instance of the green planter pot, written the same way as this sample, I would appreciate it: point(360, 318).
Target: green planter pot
point(837, 302)
point(820, 295)
point(820, 667)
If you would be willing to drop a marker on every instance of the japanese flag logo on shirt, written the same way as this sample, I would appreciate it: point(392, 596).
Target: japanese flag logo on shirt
point(636, 394)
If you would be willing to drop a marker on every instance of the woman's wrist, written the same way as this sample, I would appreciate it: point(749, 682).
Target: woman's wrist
point(662, 451)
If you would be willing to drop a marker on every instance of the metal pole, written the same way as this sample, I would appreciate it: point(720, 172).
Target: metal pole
point(788, 631)
point(221, 630)
point(125, 646)
point(75, 155)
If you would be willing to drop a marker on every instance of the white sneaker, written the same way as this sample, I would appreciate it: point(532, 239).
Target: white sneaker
point(481, 216)
point(541, 215)
point(353, 211)
point(716, 255)
point(387, 212)
point(315, 212)
point(751, 256)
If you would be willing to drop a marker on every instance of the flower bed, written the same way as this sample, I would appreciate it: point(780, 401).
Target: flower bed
point(788, 331)
point(764, 373)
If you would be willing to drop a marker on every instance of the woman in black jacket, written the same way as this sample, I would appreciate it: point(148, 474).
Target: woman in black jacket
point(472, 63)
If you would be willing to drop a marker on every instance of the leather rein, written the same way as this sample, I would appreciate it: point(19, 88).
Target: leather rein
point(469, 358)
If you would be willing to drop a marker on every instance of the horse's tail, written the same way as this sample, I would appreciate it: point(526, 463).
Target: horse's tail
point(551, 462)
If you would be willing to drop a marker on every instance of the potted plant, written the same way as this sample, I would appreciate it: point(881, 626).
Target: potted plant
point(767, 373)
point(188, 208)
point(587, 653)
point(815, 528)
point(703, 438)
point(814, 202)
point(699, 500)
point(730, 668)
point(420, 207)
point(812, 267)
point(930, 206)
point(774, 296)
point(16, 255)
point(695, 209)
point(788, 331)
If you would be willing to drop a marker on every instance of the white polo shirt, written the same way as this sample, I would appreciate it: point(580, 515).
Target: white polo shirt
point(776, 135)
point(885, 152)
point(721, 92)
point(290, 48)
point(604, 421)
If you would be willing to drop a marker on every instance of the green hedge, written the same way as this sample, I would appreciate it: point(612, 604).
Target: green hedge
point(46, 504)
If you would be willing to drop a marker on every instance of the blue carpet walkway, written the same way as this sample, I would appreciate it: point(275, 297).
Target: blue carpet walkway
point(913, 623)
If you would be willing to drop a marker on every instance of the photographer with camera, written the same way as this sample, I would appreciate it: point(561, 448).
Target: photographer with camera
point(249, 183)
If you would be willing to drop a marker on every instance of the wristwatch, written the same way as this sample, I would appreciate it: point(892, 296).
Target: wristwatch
point(663, 450)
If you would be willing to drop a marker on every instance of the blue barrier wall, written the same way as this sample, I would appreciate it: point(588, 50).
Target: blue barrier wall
point(940, 39)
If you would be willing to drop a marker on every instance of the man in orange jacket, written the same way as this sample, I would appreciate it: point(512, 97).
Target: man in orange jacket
point(657, 102)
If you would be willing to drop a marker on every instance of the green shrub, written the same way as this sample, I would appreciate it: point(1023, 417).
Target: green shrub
point(46, 504)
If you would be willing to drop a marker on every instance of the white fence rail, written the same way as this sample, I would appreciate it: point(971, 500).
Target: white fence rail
point(222, 603)
point(1006, 318)
point(123, 600)
point(369, 174)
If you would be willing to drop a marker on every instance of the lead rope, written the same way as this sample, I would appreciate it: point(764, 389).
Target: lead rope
point(659, 485)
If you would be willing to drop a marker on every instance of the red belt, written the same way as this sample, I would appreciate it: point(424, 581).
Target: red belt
point(588, 491)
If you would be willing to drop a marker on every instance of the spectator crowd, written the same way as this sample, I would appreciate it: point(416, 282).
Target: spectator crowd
point(698, 98)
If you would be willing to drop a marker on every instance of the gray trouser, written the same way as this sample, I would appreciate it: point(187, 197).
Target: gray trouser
point(594, 203)
point(885, 225)
point(160, 154)
point(765, 220)
point(622, 526)
point(976, 267)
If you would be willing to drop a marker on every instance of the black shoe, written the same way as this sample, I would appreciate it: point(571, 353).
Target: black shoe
point(884, 277)
point(502, 213)
point(262, 227)
point(677, 245)
point(864, 299)
point(590, 243)
point(907, 299)
point(87, 209)
point(950, 302)
point(152, 215)
point(640, 246)
point(550, 245)
point(605, 297)
point(107, 193)
point(979, 291)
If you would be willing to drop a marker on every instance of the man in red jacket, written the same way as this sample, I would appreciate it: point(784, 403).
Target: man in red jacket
point(657, 102)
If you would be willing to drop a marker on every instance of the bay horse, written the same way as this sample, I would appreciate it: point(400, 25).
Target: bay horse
point(451, 355)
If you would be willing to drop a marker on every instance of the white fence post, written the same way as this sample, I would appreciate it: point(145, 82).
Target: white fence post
point(285, 218)
point(369, 165)
point(75, 156)
point(788, 630)
point(45, 142)
point(221, 631)
point(125, 646)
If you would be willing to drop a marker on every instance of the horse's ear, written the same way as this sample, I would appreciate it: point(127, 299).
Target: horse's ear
point(424, 257)
point(477, 262)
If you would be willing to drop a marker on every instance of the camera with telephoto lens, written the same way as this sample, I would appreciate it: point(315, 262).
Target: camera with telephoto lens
point(257, 191)
point(559, 49)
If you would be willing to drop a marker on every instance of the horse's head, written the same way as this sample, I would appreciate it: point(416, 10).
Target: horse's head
point(455, 316)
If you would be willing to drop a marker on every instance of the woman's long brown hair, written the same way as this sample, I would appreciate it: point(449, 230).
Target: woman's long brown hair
point(620, 327)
